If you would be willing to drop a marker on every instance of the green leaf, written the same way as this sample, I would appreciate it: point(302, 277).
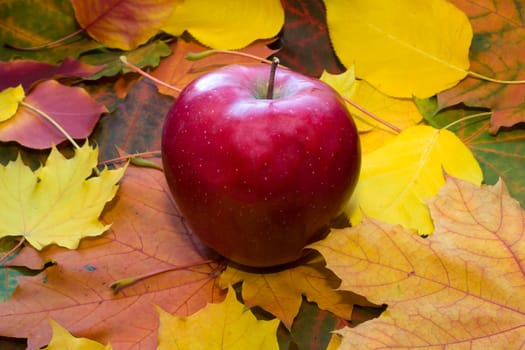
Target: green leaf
point(502, 155)
point(148, 55)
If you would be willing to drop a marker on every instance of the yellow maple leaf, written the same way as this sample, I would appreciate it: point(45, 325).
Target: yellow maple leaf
point(63, 340)
point(402, 48)
point(462, 286)
point(400, 112)
point(398, 178)
point(10, 98)
point(228, 325)
point(57, 203)
point(280, 293)
point(231, 24)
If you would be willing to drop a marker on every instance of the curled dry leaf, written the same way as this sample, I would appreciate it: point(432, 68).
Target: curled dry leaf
point(462, 286)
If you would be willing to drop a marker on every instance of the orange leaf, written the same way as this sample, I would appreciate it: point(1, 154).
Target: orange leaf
point(463, 285)
point(122, 24)
point(147, 235)
point(176, 70)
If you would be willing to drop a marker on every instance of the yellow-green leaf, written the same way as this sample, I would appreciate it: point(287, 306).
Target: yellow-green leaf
point(397, 179)
point(228, 325)
point(229, 24)
point(57, 203)
point(63, 340)
point(10, 98)
point(403, 48)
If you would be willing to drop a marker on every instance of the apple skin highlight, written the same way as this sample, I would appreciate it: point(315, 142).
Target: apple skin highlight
point(258, 179)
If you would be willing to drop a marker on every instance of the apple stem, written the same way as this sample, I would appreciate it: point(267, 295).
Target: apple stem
point(271, 82)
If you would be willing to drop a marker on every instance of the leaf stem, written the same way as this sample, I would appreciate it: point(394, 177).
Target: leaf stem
point(129, 157)
point(484, 77)
point(56, 125)
point(372, 115)
point(118, 285)
point(468, 117)
point(131, 66)
point(48, 45)
point(198, 55)
point(12, 250)
point(271, 81)
point(52, 121)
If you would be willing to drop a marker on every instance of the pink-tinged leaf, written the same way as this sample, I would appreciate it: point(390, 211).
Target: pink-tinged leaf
point(71, 107)
point(27, 72)
point(497, 51)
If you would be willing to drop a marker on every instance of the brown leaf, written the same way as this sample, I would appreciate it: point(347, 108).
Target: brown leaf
point(462, 286)
point(71, 107)
point(147, 235)
point(176, 70)
point(497, 51)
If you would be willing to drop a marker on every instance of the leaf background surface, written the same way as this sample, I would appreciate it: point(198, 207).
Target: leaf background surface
point(392, 47)
point(461, 286)
point(146, 235)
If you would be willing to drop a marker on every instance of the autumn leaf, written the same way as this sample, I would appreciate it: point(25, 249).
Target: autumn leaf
point(305, 31)
point(147, 235)
point(280, 292)
point(394, 46)
point(122, 24)
point(500, 156)
point(462, 286)
point(10, 98)
point(178, 71)
point(56, 204)
point(498, 52)
point(228, 325)
point(395, 113)
point(71, 107)
point(62, 339)
point(28, 72)
point(29, 24)
point(230, 24)
point(398, 178)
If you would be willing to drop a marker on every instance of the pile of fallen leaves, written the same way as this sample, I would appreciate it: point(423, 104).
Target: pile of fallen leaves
point(95, 252)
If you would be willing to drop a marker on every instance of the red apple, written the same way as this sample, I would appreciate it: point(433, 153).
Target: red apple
point(258, 179)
